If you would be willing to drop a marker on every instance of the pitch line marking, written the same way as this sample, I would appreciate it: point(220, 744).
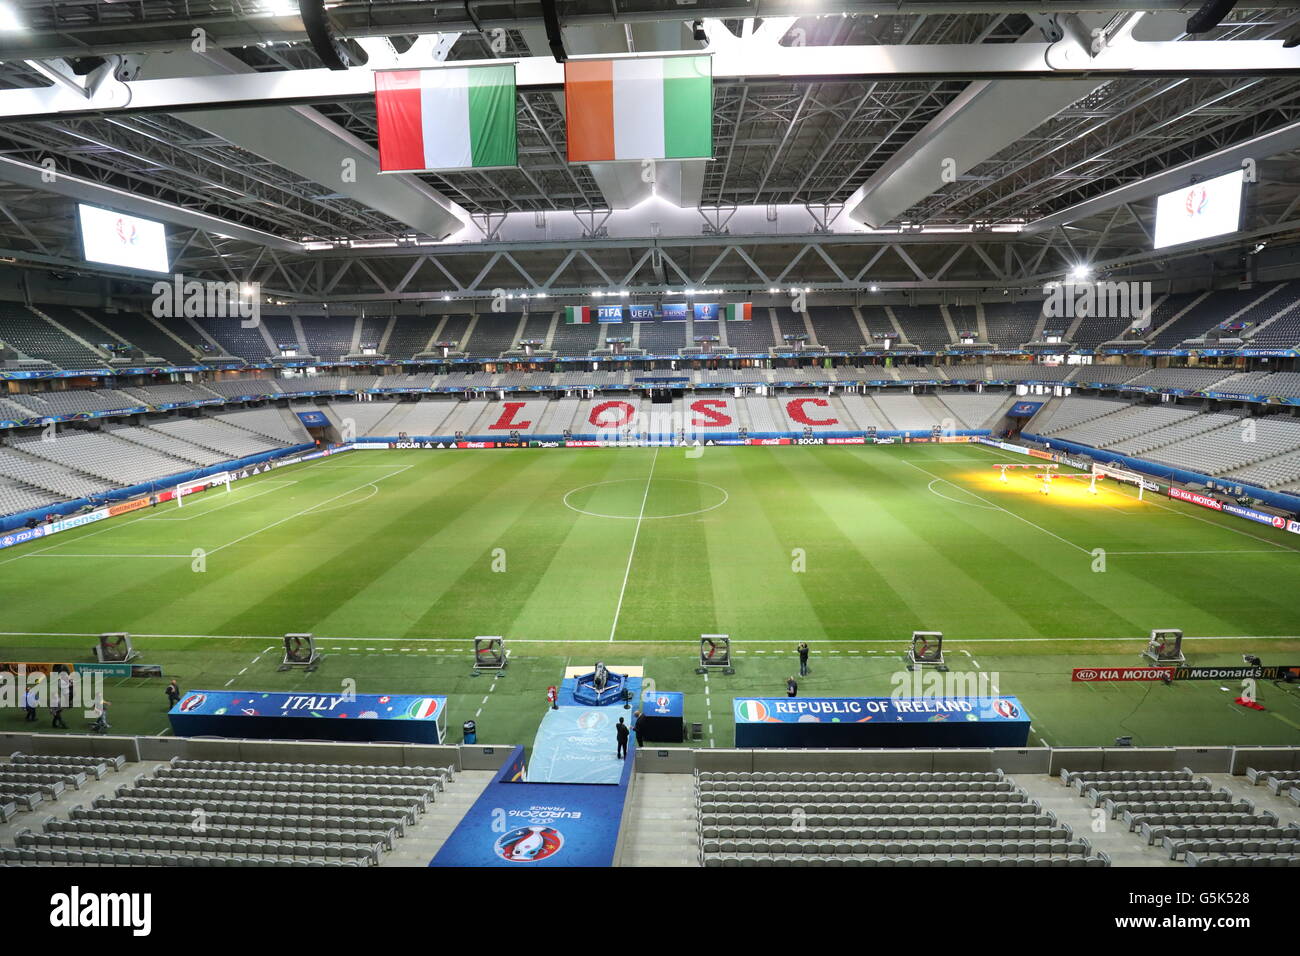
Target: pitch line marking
point(71, 538)
point(632, 551)
point(304, 511)
point(998, 507)
point(955, 501)
point(240, 499)
point(644, 517)
point(1182, 514)
point(114, 556)
point(559, 640)
point(1225, 551)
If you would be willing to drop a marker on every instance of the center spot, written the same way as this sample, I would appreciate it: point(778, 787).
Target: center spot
point(666, 498)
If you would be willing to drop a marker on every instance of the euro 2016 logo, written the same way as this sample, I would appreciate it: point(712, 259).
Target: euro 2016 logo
point(1197, 199)
point(127, 233)
point(529, 844)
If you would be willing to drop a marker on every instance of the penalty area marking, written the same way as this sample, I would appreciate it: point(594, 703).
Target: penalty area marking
point(1000, 508)
point(956, 501)
point(642, 516)
point(276, 485)
point(308, 510)
point(1173, 511)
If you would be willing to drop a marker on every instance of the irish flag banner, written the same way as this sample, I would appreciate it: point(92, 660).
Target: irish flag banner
point(740, 312)
point(633, 109)
point(449, 118)
point(577, 315)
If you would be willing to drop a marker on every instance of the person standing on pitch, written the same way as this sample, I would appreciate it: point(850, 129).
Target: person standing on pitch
point(636, 727)
point(621, 730)
point(173, 694)
point(791, 688)
point(803, 658)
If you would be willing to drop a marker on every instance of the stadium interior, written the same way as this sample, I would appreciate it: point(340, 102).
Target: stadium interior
point(902, 400)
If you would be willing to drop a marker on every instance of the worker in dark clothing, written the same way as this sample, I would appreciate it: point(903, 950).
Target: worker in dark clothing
point(791, 688)
point(173, 694)
point(622, 731)
point(803, 659)
point(636, 727)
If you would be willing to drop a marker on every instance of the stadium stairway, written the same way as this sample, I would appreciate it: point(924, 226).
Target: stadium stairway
point(426, 838)
point(660, 829)
point(1132, 847)
point(1115, 840)
point(82, 795)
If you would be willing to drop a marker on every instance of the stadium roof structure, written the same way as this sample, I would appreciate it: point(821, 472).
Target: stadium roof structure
point(929, 146)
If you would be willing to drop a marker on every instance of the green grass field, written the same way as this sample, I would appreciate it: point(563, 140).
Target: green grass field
point(397, 559)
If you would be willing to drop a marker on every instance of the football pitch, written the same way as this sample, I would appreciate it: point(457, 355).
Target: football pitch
point(396, 560)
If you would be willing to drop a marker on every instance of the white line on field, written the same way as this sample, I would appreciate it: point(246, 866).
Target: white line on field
point(239, 500)
point(113, 556)
point(72, 538)
point(306, 510)
point(1152, 499)
point(560, 640)
point(1228, 551)
point(632, 551)
point(997, 506)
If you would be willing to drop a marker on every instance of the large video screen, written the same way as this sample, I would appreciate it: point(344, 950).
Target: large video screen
point(116, 239)
point(1206, 209)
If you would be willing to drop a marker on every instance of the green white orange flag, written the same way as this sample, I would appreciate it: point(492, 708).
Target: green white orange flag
point(740, 312)
point(447, 118)
point(639, 108)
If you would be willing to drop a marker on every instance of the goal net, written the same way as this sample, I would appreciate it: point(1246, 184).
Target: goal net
point(185, 489)
point(1122, 475)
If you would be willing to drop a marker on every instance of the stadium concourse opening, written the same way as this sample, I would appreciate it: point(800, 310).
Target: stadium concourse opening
point(575, 435)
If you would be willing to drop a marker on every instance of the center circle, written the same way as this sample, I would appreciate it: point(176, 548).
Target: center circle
point(624, 498)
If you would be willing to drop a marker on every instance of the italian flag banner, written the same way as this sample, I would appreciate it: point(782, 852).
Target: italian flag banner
point(577, 315)
point(633, 109)
point(740, 312)
point(448, 118)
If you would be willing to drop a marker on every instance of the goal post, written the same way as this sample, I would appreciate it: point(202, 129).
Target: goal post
point(187, 488)
point(1121, 475)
